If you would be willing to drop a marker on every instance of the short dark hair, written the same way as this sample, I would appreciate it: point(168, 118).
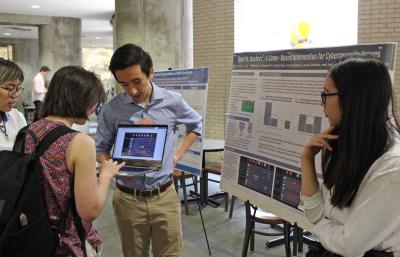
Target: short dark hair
point(128, 55)
point(10, 71)
point(72, 91)
point(44, 68)
point(366, 128)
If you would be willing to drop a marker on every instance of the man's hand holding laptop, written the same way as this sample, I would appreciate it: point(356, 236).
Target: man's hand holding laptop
point(147, 121)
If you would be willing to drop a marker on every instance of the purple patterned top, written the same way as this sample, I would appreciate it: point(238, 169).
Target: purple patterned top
point(56, 183)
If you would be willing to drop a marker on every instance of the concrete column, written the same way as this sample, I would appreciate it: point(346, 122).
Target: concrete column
point(60, 43)
point(187, 34)
point(25, 54)
point(160, 27)
point(45, 46)
point(112, 21)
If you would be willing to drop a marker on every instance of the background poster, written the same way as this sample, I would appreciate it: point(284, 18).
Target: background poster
point(192, 84)
point(274, 108)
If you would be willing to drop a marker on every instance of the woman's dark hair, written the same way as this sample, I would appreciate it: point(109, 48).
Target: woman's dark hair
point(10, 71)
point(72, 91)
point(128, 55)
point(365, 131)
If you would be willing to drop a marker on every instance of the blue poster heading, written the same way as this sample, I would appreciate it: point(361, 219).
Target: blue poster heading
point(181, 77)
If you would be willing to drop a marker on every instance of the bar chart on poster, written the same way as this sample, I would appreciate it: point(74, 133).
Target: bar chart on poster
point(274, 108)
point(313, 126)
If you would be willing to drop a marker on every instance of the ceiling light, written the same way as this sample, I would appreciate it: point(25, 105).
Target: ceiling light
point(98, 38)
point(34, 6)
point(7, 34)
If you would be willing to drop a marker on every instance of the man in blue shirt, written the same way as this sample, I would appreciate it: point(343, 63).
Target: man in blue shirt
point(146, 206)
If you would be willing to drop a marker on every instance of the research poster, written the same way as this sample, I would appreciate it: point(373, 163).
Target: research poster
point(274, 108)
point(192, 84)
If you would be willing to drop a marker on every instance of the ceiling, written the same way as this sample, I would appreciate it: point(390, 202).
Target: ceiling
point(95, 15)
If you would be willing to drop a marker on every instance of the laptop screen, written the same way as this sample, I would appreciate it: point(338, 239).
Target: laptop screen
point(140, 146)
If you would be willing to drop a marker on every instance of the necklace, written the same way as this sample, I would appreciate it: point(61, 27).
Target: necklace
point(3, 129)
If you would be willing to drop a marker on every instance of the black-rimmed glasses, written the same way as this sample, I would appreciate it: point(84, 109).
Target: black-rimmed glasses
point(12, 89)
point(324, 95)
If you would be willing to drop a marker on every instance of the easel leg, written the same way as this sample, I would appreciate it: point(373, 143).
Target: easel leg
point(202, 222)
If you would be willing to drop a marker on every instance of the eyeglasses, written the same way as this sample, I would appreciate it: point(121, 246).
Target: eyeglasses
point(324, 95)
point(13, 89)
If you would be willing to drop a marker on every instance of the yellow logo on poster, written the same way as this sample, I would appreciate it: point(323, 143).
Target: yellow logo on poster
point(300, 34)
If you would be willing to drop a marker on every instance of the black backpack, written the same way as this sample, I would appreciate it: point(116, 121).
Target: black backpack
point(24, 227)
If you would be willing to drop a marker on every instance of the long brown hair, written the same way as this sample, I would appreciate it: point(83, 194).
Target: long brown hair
point(72, 91)
point(365, 132)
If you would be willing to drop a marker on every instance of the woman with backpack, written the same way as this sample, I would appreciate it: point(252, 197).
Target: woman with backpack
point(68, 165)
point(355, 210)
point(11, 120)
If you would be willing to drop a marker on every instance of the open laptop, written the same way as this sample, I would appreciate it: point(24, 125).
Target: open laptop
point(141, 147)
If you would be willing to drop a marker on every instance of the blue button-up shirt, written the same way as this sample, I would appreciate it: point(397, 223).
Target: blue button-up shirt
point(164, 108)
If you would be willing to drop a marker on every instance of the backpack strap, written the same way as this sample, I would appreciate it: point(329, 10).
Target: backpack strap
point(19, 143)
point(45, 143)
point(78, 221)
point(50, 137)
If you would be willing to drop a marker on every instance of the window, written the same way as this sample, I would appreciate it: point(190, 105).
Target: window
point(6, 52)
point(286, 24)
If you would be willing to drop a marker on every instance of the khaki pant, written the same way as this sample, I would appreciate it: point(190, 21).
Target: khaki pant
point(155, 219)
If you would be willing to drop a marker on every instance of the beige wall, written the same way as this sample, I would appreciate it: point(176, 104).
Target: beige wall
point(379, 21)
point(213, 46)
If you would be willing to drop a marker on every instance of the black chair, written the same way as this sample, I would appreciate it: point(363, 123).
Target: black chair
point(263, 217)
point(180, 176)
point(289, 232)
point(30, 114)
point(216, 169)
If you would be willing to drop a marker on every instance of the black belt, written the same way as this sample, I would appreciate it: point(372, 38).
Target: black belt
point(136, 192)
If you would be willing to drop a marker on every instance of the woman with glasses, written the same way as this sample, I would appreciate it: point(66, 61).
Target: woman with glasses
point(355, 209)
point(11, 120)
